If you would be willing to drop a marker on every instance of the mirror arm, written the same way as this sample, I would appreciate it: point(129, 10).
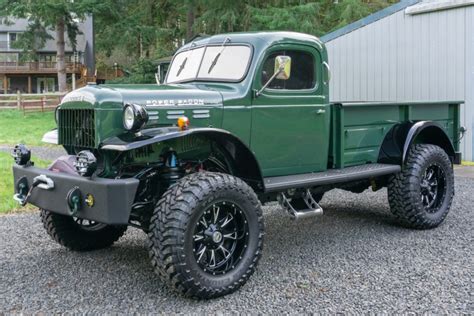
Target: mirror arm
point(259, 92)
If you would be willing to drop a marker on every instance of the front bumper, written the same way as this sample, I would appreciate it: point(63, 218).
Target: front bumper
point(113, 198)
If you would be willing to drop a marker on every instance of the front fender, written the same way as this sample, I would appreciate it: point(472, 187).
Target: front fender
point(245, 161)
point(51, 137)
point(128, 142)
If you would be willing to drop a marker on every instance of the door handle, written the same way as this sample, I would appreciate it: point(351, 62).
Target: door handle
point(320, 111)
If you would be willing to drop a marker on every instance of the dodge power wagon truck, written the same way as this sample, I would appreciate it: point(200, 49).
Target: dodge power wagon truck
point(242, 119)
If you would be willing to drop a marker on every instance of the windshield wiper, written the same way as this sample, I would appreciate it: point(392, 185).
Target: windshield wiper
point(181, 67)
point(214, 61)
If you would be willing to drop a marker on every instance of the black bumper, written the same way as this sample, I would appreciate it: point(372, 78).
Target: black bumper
point(113, 198)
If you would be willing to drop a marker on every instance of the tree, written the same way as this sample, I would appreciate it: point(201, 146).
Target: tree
point(156, 28)
point(62, 16)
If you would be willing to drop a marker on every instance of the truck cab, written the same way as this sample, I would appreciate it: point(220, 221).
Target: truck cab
point(241, 119)
point(293, 111)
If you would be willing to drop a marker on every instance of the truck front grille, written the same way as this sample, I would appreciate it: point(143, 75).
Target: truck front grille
point(76, 127)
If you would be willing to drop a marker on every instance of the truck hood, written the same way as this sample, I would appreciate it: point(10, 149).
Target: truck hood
point(164, 105)
point(149, 95)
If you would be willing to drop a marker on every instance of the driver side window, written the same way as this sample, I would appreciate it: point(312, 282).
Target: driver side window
point(302, 71)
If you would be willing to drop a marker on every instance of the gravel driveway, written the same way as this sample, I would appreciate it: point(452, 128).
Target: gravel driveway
point(353, 259)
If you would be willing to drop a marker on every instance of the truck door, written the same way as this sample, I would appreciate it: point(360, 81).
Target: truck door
point(290, 118)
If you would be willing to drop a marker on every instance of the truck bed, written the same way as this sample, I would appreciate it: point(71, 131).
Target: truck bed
point(359, 128)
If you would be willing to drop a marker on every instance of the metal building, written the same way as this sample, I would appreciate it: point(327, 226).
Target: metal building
point(410, 51)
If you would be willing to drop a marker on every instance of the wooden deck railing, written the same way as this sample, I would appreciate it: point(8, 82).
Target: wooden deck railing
point(37, 66)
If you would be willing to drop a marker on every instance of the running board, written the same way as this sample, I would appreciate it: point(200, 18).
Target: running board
point(332, 176)
point(312, 207)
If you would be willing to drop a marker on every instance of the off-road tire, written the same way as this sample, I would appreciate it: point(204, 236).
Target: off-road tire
point(65, 231)
point(170, 237)
point(404, 188)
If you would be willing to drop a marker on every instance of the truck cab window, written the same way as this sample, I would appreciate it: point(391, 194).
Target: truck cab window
point(302, 71)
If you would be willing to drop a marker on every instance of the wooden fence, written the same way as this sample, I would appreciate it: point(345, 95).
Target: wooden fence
point(29, 103)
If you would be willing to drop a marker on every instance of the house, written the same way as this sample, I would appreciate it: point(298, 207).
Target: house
point(41, 75)
point(410, 51)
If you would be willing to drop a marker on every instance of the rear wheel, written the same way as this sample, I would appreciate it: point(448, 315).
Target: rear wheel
point(421, 195)
point(80, 234)
point(206, 235)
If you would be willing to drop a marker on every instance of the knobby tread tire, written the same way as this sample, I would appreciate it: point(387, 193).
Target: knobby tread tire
point(65, 231)
point(169, 226)
point(404, 188)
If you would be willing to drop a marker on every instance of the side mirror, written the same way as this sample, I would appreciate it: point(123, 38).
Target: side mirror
point(282, 71)
point(283, 67)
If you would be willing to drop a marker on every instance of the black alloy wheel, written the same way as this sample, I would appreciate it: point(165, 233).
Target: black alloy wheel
point(220, 238)
point(87, 224)
point(433, 188)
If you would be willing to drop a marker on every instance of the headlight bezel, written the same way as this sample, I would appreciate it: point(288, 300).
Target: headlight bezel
point(139, 115)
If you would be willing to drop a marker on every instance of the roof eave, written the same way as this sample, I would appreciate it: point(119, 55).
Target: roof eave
point(402, 5)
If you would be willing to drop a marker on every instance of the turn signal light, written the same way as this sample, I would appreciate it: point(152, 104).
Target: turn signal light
point(183, 123)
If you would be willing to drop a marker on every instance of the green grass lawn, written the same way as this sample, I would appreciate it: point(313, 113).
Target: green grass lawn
point(7, 204)
point(29, 129)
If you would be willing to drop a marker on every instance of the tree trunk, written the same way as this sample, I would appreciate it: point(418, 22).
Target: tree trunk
point(190, 17)
point(60, 60)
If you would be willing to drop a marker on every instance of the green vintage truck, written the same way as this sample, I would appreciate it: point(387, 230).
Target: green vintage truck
point(242, 119)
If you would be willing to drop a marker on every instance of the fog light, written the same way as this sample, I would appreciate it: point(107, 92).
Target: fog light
point(21, 154)
point(86, 163)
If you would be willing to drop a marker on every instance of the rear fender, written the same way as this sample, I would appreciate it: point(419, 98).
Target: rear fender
point(244, 161)
point(397, 142)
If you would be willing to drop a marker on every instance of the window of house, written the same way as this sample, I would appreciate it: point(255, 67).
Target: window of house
point(12, 37)
point(302, 71)
point(47, 58)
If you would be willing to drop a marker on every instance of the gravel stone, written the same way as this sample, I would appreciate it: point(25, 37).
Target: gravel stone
point(353, 259)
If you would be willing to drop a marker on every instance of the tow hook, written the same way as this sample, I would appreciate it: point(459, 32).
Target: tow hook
point(74, 198)
point(41, 181)
point(23, 191)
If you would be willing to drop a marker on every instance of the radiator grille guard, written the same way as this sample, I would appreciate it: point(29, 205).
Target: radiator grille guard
point(76, 127)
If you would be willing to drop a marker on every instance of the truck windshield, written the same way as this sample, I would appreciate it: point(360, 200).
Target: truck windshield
point(213, 63)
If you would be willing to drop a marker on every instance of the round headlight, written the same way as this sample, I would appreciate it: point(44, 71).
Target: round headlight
point(128, 118)
point(86, 163)
point(134, 117)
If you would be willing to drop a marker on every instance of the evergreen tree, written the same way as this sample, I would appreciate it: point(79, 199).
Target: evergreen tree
point(60, 15)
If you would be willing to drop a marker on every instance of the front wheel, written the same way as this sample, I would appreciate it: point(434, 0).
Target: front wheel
point(80, 234)
point(421, 195)
point(206, 235)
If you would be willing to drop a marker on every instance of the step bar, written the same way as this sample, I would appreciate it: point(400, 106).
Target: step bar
point(332, 176)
